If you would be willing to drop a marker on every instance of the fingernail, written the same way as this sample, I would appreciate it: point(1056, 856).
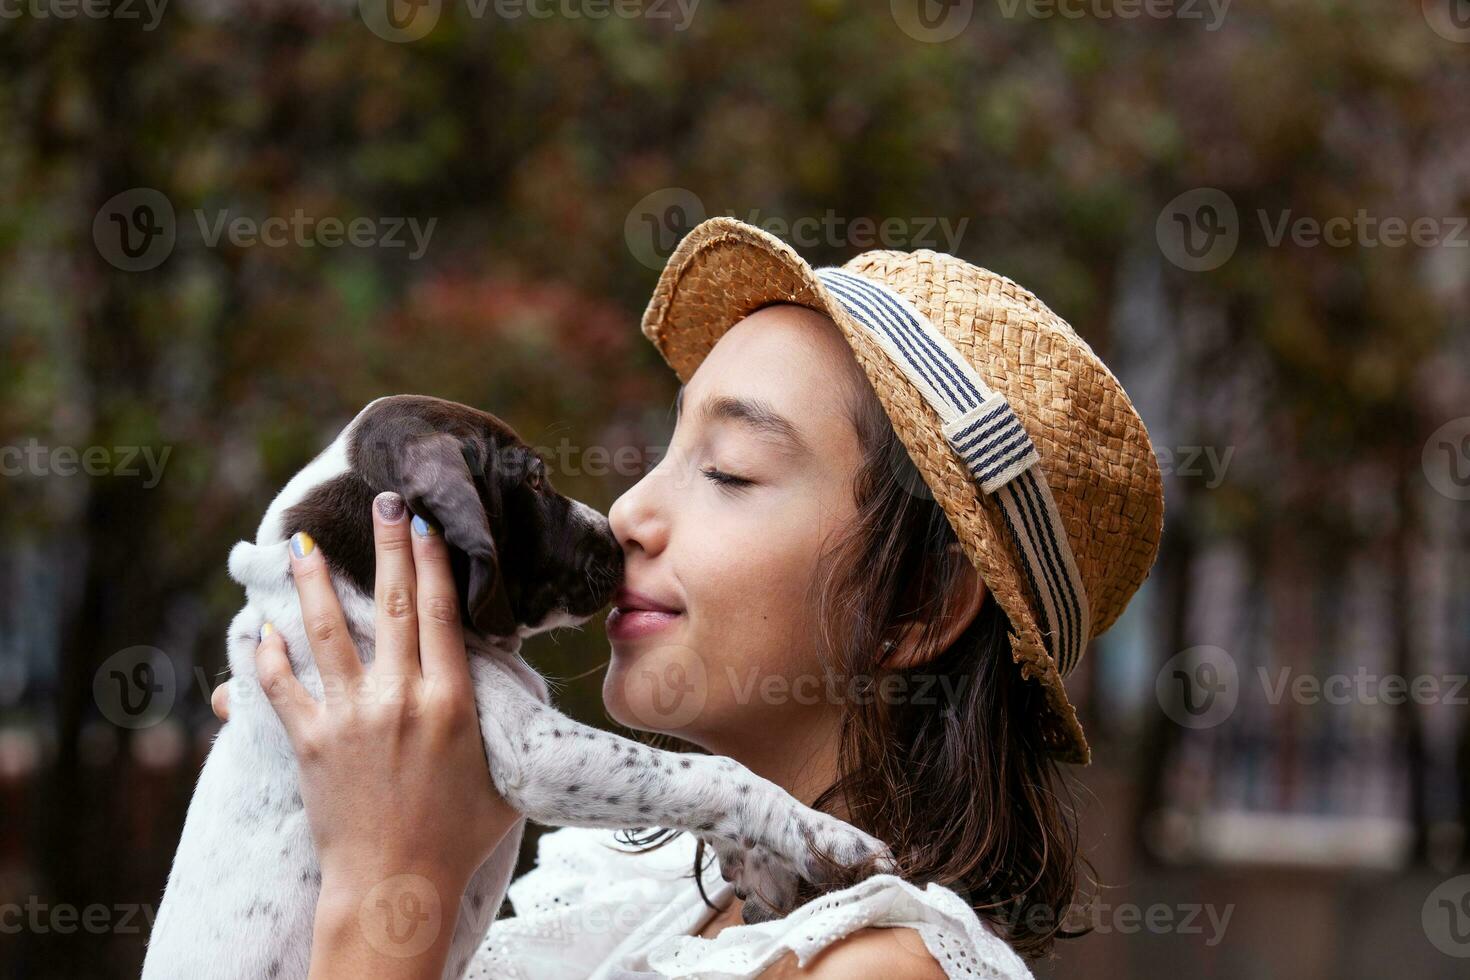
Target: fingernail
point(266, 629)
point(390, 506)
point(422, 527)
point(301, 544)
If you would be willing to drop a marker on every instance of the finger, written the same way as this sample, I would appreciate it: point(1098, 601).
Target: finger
point(286, 694)
point(441, 637)
point(321, 613)
point(220, 702)
point(395, 589)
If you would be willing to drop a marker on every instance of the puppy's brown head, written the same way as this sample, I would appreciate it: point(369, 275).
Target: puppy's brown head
point(525, 557)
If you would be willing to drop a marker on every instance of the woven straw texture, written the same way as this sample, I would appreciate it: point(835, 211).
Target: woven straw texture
point(1095, 452)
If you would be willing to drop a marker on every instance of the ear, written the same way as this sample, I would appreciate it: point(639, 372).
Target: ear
point(438, 480)
point(960, 609)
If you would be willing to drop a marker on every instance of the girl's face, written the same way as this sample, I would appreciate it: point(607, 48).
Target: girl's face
point(712, 637)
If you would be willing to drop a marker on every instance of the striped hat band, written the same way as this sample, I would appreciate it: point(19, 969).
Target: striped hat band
point(988, 437)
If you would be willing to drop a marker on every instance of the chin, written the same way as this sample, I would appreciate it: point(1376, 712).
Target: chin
point(659, 688)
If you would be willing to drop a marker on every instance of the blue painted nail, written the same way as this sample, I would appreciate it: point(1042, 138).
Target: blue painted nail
point(422, 527)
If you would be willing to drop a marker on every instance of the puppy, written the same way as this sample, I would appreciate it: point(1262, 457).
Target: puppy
point(242, 892)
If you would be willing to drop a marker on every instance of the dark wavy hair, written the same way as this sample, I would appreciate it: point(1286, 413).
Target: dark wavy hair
point(956, 779)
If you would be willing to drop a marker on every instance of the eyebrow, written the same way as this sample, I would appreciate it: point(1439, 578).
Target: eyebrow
point(753, 413)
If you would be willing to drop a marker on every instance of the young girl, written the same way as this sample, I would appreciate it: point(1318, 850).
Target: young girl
point(899, 500)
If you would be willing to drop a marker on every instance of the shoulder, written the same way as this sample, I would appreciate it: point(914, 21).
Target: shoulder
point(896, 953)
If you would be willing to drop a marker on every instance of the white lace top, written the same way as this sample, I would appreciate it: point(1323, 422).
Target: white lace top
point(593, 910)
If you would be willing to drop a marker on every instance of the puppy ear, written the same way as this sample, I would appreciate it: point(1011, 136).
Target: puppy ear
point(437, 477)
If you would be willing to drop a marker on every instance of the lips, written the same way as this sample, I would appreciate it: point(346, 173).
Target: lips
point(637, 615)
point(629, 601)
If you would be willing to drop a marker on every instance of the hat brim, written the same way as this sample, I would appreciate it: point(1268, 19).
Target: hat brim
point(723, 271)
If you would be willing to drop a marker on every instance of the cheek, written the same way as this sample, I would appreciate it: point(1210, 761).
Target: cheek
point(753, 617)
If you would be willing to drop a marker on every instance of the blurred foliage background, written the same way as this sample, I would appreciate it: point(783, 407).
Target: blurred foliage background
point(558, 157)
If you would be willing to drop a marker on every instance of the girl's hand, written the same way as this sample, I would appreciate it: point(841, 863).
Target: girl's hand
point(393, 771)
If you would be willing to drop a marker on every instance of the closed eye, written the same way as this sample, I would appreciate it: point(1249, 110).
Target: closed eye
point(721, 478)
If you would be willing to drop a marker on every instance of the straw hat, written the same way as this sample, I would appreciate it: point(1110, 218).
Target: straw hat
point(1088, 461)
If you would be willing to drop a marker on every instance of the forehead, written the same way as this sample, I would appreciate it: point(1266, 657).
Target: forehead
point(789, 358)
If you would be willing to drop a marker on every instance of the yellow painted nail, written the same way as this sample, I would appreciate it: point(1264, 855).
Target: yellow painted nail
point(266, 629)
point(301, 544)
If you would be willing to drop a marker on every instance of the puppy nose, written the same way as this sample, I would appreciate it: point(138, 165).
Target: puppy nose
point(604, 557)
point(602, 560)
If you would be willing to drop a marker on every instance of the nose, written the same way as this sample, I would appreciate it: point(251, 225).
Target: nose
point(637, 519)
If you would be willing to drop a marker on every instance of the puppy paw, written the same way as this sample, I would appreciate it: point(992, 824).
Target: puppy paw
point(817, 848)
point(837, 854)
point(766, 882)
